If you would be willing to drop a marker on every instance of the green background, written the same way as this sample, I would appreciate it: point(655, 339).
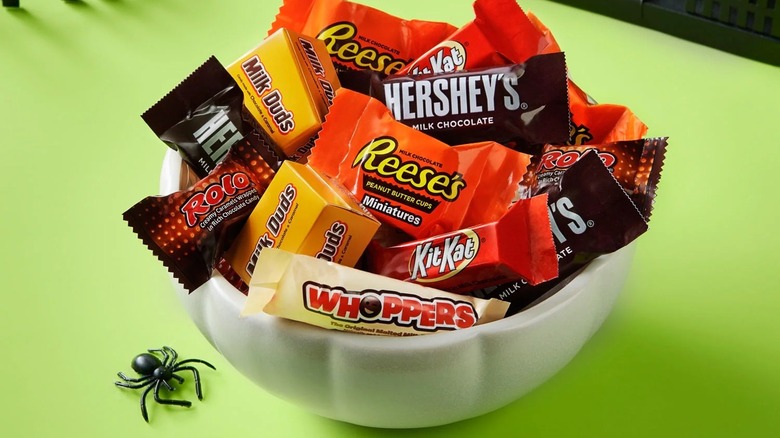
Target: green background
point(691, 348)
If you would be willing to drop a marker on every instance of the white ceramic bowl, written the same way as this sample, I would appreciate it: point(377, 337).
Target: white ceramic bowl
point(404, 382)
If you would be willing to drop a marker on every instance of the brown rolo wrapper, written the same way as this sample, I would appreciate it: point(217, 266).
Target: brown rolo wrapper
point(635, 164)
point(522, 106)
point(590, 215)
point(190, 230)
point(232, 277)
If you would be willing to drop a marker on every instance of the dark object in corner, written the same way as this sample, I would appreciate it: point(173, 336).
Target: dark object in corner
point(155, 373)
point(11, 3)
point(749, 28)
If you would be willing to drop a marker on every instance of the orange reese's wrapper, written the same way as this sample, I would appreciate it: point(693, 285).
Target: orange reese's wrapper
point(408, 179)
point(359, 37)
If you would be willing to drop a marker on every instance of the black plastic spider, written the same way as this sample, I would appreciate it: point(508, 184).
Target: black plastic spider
point(155, 373)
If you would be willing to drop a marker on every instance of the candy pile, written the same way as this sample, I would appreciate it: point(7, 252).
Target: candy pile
point(361, 172)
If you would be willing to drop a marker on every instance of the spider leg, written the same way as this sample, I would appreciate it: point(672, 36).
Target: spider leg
point(174, 355)
point(128, 385)
point(163, 353)
point(196, 374)
point(143, 404)
point(167, 385)
point(179, 378)
point(196, 361)
point(128, 379)
point(167, 401)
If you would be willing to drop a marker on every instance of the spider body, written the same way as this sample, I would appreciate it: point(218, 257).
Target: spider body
point(156, 373)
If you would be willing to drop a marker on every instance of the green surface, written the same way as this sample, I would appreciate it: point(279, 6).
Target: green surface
point(690, 350)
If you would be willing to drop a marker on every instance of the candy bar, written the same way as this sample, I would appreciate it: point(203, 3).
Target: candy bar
point(517, 246)
point(288, 82)
point(522, 104)
point(332, 296)
point(635, 164)
point(499, 32)
point(408, 179)
point(590, 215)
point(359, 37)
point(484, 42)
point(303, 213)
point(201, 117)
point(590, 212)
point(190, 230)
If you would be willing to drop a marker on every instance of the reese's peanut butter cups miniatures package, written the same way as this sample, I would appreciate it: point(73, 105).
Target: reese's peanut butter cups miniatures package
point(409, 180)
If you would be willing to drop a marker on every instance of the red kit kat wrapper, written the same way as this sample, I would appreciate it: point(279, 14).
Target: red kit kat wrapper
point(517, 246)
point(500, 34)
point(189, 230)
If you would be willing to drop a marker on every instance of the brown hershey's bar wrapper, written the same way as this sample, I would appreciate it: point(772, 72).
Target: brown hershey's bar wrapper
point(201, 117)
point(522, 104)
point(590, 215)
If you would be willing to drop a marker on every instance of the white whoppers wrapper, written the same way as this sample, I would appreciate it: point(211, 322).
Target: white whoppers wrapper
point(337, 297)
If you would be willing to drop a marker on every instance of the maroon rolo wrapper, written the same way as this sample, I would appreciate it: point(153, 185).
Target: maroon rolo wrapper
point(190, 230)
point(590, 215)
point(520, 105)
point(203, 117)
point(635, 164)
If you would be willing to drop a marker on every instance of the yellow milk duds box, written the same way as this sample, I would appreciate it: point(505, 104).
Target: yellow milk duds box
point(304, 213)
point(288, 82)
